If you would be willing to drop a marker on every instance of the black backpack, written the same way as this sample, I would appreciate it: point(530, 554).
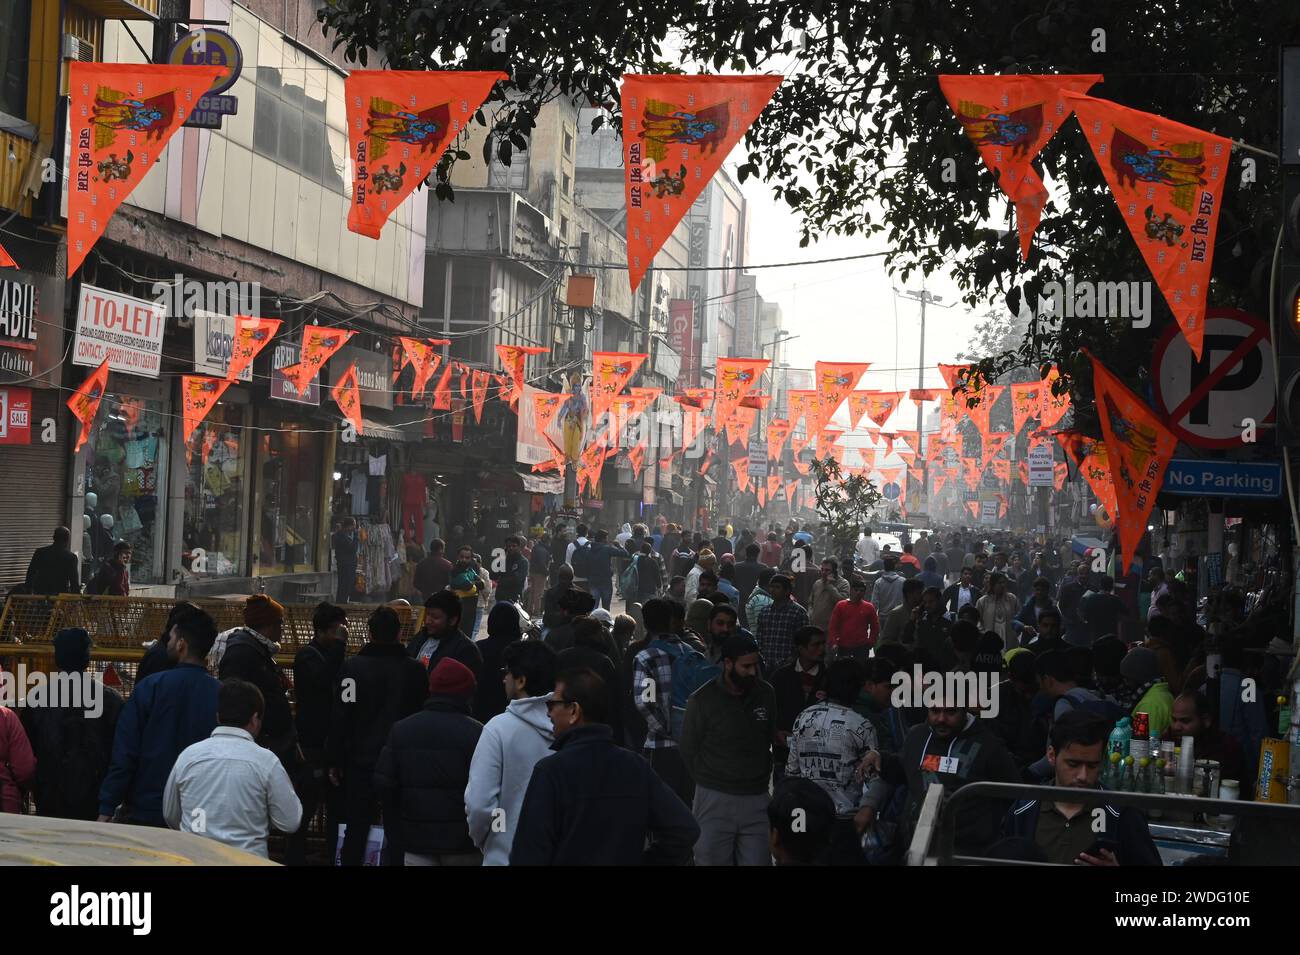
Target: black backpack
point(582, 561)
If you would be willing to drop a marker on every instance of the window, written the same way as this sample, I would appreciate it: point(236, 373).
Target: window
point(568, 143)
point(290, 473)
point(214, 495)
point(289, 127)
point(16, 15)
point(564, 228)
point(514, 176)
point(565, 183)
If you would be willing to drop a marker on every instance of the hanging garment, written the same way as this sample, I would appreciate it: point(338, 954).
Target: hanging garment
point(378, 465)
point(414, 489)
point(357, 488)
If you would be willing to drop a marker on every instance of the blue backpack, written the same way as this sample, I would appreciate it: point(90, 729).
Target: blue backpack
point(691, 670)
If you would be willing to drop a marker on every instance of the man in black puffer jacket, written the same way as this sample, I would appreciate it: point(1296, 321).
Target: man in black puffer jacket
point(378, 686)
point(424, 769)
point(250, 655)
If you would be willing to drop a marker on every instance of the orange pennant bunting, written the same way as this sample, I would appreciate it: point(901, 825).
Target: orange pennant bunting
point(925, 394)
point(736, 377)
point(347, 395)
point(1010, 119)
point(199, 395)
point(971, 472)
point(478, 391)
point(420, 353)
point(120, 118)
point(400, 122)
point(858, 402)
point(974, 508)
point(1168, 181)
point(1026, 403)
point(835, 382)
point(637, 458)
point(952, 375)
point(778, 430)
point(611, 371)
point(442, 390)
point(84, 402)
point(790, 488)
point(1060, 471)
point(251, 336)
point(741, 466)
point(6, 260)
point(1140, 447)
point(677, 130)
point(319, 343)
point(773, 485)
point(1053, 407)
point(1002, 470)
point(881, 405)
point(513, 358)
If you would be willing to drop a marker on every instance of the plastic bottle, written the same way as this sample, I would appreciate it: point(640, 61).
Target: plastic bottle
point(1111, 776)
point(1120, 737)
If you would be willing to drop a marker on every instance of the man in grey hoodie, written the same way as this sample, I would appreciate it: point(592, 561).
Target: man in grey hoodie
point(510, 746)
point(888, 591)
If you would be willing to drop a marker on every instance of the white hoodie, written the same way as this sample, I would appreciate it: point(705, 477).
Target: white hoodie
point(511, 745)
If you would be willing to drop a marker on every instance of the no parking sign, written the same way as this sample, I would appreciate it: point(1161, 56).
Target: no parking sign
point(1206, 402)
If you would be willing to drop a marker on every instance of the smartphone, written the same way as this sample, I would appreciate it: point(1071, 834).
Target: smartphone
point(1095, 849)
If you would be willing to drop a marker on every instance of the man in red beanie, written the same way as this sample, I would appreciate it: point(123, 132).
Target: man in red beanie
point(423, 771)
point(249, 654)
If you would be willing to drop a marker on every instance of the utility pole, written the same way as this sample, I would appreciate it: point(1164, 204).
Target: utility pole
point(924, 298)
point(579, 353)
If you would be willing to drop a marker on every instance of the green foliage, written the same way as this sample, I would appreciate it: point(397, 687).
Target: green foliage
point(844, 504)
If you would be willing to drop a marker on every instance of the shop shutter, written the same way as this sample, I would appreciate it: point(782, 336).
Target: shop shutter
point(33, 486)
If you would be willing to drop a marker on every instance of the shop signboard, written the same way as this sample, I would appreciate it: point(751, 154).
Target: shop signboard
point(31, 328)
point(374, 375)
point(284, 354)
point(214, 340)
point(15, 416)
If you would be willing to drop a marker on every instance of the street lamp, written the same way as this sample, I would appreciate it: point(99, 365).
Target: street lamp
point(925, 298)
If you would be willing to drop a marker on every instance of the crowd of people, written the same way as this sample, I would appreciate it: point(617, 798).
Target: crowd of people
point(742, 710)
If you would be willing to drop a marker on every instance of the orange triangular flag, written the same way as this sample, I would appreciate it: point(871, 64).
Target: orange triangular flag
point(84, 402)
point(610, 373)
point(677, 130)
point(858, 401)
point(971, 472)
point(347, 395)
point(736, 377)
point(1054, 407)
point(773, 485)
point(1060, 471)
point(637, 458)
point(478, 390)
point(1167, 180)
point(442, 390)
point(199, 395)
point(881, 404)
point(251, 336)
point(741, 466)
point(1002, 469)
point(925, 394)
point(1026, 402)
point(400, 122)
point(974, 508)
point(940, 479)
point(991, 446)
point(419, 353)
point(778, 430)
point(1010, 119)
point(835, 381)
point(790, 488)
point(120, 117)
point(952, 374)
point(513, 358)
point(6, 260)
point(319, 342)
point(1140, 448)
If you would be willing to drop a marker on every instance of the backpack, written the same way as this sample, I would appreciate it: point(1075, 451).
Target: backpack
point(691, 670)
point(630, 579)
point(1111, 712)
point(582, 561)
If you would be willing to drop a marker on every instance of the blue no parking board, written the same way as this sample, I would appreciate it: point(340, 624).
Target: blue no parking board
point(1223, 478)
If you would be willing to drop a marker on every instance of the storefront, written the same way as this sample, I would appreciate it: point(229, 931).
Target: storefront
point(34, 425)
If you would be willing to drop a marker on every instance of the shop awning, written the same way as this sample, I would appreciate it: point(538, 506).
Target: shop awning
point(373, 429)
point(521, 482)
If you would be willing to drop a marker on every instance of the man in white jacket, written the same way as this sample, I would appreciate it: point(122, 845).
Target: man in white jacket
point(510, 746)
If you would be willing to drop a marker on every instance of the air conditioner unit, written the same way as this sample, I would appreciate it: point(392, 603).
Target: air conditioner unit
point(75, 48)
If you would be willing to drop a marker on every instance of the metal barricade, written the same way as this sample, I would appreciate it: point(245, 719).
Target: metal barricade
point(123, 627)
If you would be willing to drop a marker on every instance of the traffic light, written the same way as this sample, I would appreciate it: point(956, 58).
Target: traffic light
point(1287, 330)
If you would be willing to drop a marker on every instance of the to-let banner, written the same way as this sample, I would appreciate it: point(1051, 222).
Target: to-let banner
point(199, 395)
point(1167, 180)
point(347, 395)
point(251, 336)
point(319, 343)
point(735, 378)
point(120, 117)
point(677, 130)
point(400, 122)
point(1010, 119)
point(84, 402)
point(1140, 447)
point(610, 372)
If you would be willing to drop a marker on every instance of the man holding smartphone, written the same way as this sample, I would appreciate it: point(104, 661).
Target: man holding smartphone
point(1076, 833)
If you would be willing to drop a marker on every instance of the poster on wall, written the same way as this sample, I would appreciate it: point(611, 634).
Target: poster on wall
point(15, 416)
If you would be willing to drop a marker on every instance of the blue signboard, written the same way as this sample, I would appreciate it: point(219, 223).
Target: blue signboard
point(891, 491)
point(1224, 478)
